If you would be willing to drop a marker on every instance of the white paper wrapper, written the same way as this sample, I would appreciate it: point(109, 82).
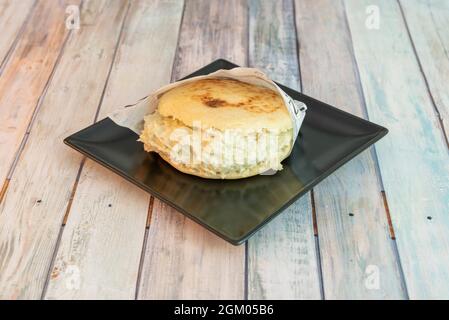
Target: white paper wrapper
point(131, 116)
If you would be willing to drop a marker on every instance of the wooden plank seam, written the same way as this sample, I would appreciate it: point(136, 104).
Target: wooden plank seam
point(4, 188)
point(16, 40)
point(432, 99)
point(175, 60)
point(100, 103)
point(317, 241)
point(144, 246)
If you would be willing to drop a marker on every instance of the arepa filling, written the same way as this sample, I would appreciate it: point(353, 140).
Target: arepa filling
point(212, 153)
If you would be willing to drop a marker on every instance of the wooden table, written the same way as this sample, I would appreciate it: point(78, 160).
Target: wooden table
point(377, 228)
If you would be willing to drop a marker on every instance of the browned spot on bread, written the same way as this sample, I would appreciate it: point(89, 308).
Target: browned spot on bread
point(214, 103)
point(256, 99)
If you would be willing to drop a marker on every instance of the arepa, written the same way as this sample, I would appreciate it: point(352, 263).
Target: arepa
point(220, 129)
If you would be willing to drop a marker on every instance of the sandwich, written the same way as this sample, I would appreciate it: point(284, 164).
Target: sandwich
point(220, 128)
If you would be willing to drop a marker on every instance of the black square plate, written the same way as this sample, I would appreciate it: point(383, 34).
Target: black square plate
point(235, 209)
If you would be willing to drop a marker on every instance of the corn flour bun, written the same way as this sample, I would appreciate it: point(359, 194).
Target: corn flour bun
point(220, 129)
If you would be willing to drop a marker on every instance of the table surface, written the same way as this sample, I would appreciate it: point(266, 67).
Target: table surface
point(71, 229)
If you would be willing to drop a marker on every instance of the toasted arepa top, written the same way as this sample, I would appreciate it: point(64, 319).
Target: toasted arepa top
point(226, 104)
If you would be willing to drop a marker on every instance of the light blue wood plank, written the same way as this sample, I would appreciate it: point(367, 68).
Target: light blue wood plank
point(353, 247)
point(428, 22)
point(413, 158)
point(282, 261)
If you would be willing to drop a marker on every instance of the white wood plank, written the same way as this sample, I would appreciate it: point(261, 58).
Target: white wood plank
point(13, 15)
point(350, 245)
point(33, 209)
point(184, 261)
point(413, 158)
point(428, 22)
point(187, 261)
point(282, 262)
point(104, 234)
point(25, 75)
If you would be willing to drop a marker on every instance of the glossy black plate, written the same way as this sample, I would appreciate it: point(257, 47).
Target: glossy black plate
point(235, 209)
